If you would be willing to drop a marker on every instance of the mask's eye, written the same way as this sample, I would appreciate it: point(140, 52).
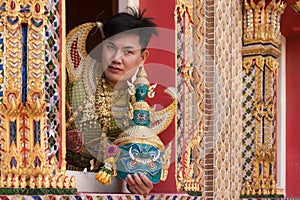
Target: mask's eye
point(152, 155)
point(135, 153)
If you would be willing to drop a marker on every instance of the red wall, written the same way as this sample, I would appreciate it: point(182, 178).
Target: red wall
point(292, 117)
point(160, 67)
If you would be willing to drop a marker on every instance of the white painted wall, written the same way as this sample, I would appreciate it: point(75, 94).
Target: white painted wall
point(85, 182)
point(282, 116)
point(123, 4)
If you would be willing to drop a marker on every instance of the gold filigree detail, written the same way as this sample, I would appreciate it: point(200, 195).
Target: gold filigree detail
point(247, 64)
point(261, 23)
point(106, 99)
point(76, 50)
point(190, 59)
point(264, 182)
point(139, 134)
point(161, 119)
point(260, 49)
point(296, 6)
point(262, 109)
point(272, 63)
point(260, 62)
point(165, 159)
point(261, 40)
point(185, 175)
point(25, 162)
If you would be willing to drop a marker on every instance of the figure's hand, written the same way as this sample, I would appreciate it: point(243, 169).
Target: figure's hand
point(139, 184)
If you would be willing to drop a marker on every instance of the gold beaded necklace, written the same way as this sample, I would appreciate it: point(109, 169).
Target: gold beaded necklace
point(111, 108)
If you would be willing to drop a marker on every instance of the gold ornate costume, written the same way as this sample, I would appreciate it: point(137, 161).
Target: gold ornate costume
point(100, 119)
point(97, 113)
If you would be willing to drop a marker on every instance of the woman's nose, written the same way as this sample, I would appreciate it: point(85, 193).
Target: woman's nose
point(117, 57)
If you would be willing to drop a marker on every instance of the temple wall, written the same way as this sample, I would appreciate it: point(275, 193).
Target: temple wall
point(207, 136)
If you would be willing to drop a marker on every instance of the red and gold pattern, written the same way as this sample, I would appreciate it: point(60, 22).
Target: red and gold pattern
point(24, 145)
point(261, 40)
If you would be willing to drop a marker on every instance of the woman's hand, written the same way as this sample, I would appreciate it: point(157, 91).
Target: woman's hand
point(139, 184)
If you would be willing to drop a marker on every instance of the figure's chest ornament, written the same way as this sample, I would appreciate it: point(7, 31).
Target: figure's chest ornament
point(138, 149)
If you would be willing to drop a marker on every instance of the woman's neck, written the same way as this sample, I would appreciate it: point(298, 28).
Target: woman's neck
point(118, 85)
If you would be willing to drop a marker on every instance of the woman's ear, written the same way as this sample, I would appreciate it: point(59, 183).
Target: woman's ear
point(144, 57)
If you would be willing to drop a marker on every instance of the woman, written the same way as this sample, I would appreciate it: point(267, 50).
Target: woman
point(100, 99)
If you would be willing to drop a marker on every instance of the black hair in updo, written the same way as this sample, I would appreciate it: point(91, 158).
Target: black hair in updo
point(133, 22)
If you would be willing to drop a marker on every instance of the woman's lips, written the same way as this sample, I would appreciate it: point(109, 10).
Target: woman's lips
point(114, 69)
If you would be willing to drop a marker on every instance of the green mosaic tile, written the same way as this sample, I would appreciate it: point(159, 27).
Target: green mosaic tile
point(51, 17)
point(51, 91)
point(248, 148)
point(249, 110)
point(52, 141)
point(248, 173)
point(249, 98)
point(248, 160)
point(248, 123)
point(51, 41)
point(248, 135)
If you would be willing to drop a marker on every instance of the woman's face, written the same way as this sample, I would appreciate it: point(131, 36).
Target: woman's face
point(121, 56)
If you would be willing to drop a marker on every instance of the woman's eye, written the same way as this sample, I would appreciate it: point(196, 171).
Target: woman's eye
point(110, 46)
point(128, 52)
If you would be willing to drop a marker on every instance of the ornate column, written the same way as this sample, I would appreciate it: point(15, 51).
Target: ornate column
point(209, 109)
point(261, 38)
point(190, 86)
point(26, 112)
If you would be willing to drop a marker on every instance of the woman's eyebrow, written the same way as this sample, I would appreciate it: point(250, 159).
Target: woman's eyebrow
point(125, 47)
point(131, 47)
point(111, 43)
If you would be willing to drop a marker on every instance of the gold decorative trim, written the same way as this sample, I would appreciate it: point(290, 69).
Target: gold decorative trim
point(185, 174)
point(261, 40)
point(261, 22)
point(63, 162)
point(164, 117)
point(296, 6)
point(24, 145)
point(257, 49)
point(190, 175)
point(77, 37)
point(199, 85)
